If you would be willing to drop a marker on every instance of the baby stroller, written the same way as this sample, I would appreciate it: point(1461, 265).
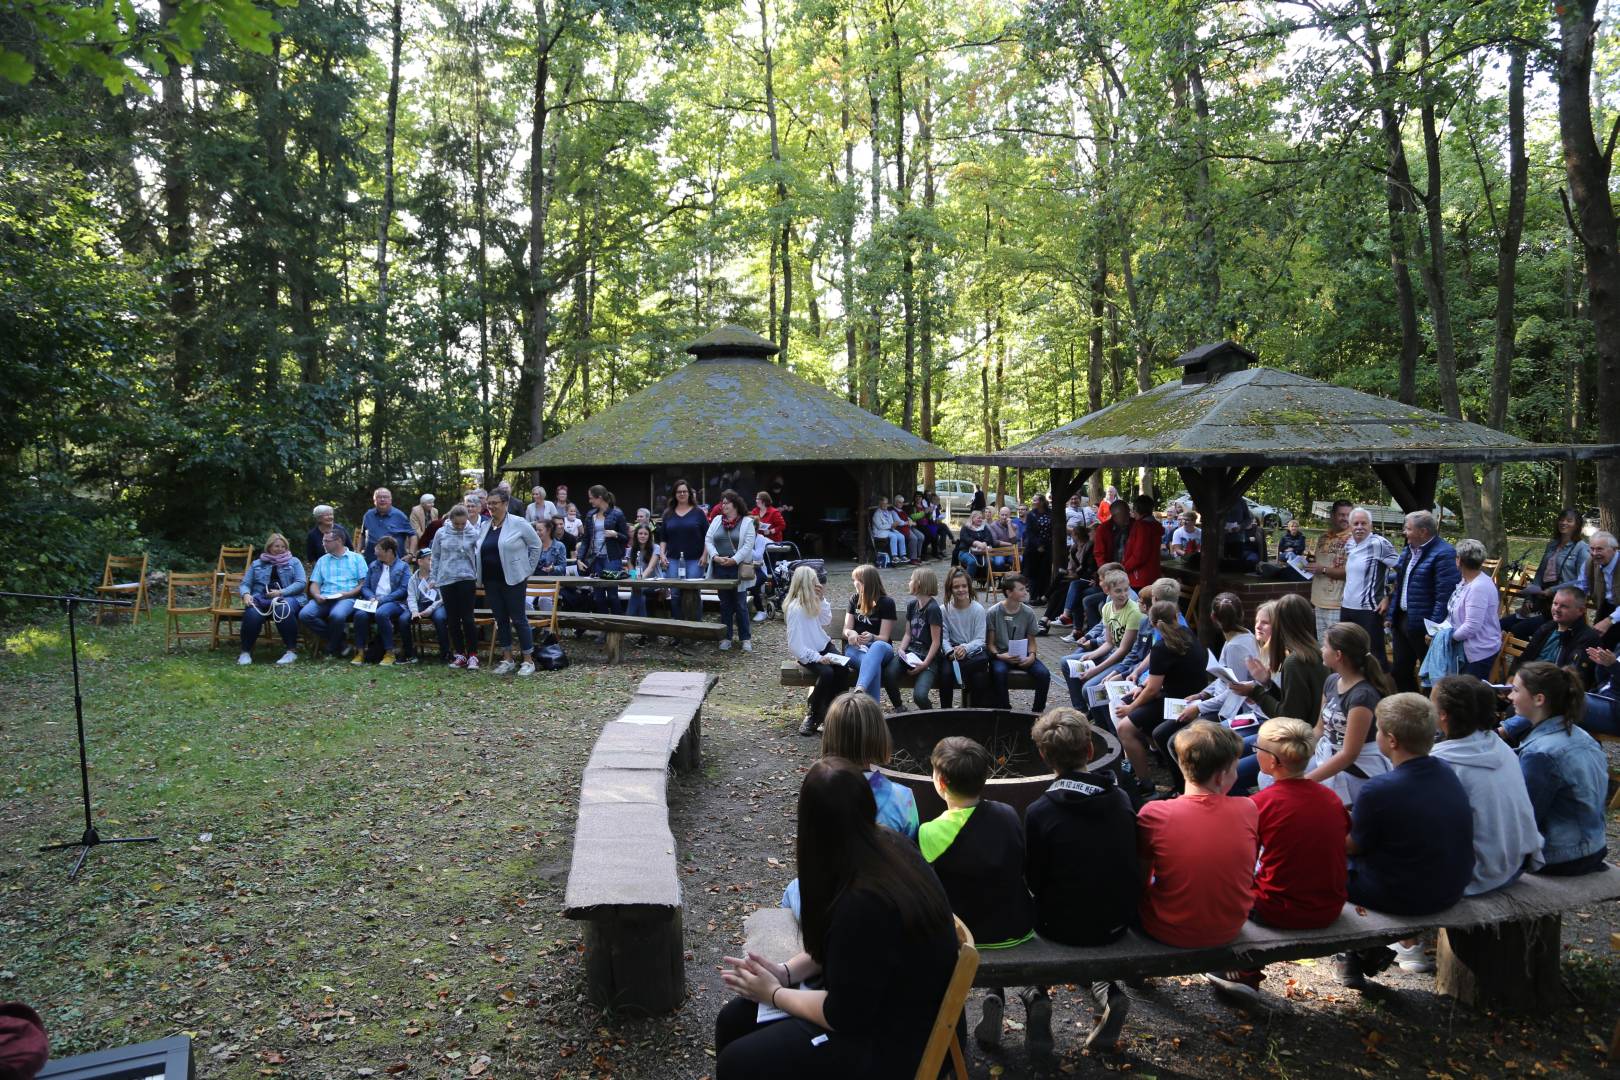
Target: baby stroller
point(780, 562)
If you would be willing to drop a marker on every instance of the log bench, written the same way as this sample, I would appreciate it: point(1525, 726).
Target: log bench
point(794, 674)
point(623, 881)
point(1501, 949)
point(616, 626)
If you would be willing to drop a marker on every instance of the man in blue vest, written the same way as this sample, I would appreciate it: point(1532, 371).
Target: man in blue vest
point(1425, 578)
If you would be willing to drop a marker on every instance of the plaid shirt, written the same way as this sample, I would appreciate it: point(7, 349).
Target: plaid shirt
point(339, 573)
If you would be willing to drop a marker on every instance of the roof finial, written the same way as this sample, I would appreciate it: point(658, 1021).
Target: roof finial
point(732, 342)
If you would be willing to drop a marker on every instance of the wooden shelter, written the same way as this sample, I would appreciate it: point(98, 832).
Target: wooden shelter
point(1227, 420)
point(734, 418)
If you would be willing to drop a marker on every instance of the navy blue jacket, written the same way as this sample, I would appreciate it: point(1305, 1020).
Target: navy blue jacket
point(613, 521)
point(1434, 579)
point(397, 585)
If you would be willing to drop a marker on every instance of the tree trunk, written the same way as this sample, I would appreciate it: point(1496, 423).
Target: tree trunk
point(902, 192)
point(480, 260)
point(1493, 525)
point(379, 337)
point(782, 241)
point(1587, 168)
point(925, 137)
point(874, 315)
point(539, 208)
point(1095, 356)
point(1435, 286)
point(179, 278)
point(846, 224)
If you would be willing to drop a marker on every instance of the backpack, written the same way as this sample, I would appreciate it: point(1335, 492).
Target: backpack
point(548, 653)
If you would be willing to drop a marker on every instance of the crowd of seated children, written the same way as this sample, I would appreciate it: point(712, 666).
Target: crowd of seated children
point(1080, 862)
point(1289, 677)
point(1395, 867)
point(977, 849)
point(1121, 620)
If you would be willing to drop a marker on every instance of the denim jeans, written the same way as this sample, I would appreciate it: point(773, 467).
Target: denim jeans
point(678, 597)
point(896, 667)
point(970, 562)
point(872, 659)
point(441, 630)
point(1000, 669)
point(508, 608)
point(1370, 621)
point(974, 683)
point(386, 617)
point(252, 622)
point(327, 619)
point(605, 599)
point(1248, 767)
point(897, 545)
point(1600, 717)
point(733, 606)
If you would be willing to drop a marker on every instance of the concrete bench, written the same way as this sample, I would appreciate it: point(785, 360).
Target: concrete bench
point(794, 674)
point(623, 881)
point(1500, 949)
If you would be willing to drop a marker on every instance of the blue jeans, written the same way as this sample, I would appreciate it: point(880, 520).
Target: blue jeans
point(605, 599)
point(1000, 669)
point(677, 597)
point(441, 630)
point(252, 622)
point(873, 659)
point(387, 615)
point(896, 667)
point(1248, 767)
point(733, 606)
point(970, 562)
point(897, 545)
point(1079, 686)
point(327, 619)
point(1600, 718)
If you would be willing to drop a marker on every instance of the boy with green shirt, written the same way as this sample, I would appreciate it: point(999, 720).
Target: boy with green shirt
point(977, 850)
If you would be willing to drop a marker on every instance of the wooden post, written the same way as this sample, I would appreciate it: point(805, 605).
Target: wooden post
point(1065, 482)
point(1510, 966)
point(1413, 490)
point(863, 503)
point(635, 960)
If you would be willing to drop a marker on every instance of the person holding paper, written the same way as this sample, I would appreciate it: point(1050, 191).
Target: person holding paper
point(1010, 637)
point(919, 651)
point(807, 615)
point(1219, 701)
point(382, 598)
point(1175, 669)
point(877, 930)
point(1122, 620)
point(1288, 679)
point(967, 662)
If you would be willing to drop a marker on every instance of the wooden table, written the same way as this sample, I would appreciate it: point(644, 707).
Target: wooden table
point(691, 589)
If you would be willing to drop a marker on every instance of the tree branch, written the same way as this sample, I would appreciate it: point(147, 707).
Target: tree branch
point(1569, 216)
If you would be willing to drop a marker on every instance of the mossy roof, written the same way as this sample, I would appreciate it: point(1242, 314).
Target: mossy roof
point(1262, 416)
point(729, 405)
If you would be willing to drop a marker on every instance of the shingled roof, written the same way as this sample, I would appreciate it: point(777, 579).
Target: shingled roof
point(1223, 412)
point(730, 404)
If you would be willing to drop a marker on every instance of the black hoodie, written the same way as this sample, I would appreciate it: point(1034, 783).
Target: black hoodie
point(1080, 860)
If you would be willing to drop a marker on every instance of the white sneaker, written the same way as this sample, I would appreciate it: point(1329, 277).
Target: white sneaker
point(505, 667)
point(748, 646)
point(759, 616)
point(244, 659)
point(1069, 639)
point(725, 644)
point(1412, 958)
point(527, 668)
point(288, 657)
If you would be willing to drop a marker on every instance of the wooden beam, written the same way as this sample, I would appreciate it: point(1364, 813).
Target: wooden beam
point(1065, 482)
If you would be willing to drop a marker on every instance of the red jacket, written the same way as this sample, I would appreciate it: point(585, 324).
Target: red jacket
point(1141, 555)
point(772, 517)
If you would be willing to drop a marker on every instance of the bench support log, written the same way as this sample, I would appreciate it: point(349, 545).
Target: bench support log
point(1512, 966)
point(635, 960)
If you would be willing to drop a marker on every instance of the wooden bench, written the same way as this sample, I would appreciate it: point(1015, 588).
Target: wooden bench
point(616, 626)
point(624, 881)
point(1500, 949)
point(794, 674)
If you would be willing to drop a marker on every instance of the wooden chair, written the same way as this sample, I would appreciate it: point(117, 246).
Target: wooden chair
point(1512, 649)
point(204, 583)
point(942, 1040)
point(1014, 565)
point(234, 560)
point(1614, 774)
point(228, 605)
point(539, 620)
point(1491, 568)
point(124, 566)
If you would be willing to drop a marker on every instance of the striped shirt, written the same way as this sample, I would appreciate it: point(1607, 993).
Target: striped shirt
point(339, 573)
point(1363, 571)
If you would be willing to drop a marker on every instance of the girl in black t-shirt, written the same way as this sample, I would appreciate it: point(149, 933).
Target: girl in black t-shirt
point(869, 631)
point(1175, 669)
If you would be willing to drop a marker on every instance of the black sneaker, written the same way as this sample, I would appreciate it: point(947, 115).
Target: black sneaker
point(988, 1030)
point(809, 726)
point(411, 659)
point(1347, 969)
point(1105, 1036)
point(1037, 1023)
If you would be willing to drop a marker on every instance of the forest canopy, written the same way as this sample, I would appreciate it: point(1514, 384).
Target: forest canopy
point(255, 256)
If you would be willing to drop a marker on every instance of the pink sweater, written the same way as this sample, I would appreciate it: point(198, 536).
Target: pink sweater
point(1474, 623)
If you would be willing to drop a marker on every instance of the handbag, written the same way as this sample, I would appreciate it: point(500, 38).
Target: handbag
point(549, 654)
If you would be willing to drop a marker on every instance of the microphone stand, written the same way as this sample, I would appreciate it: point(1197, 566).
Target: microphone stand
point(90, 838)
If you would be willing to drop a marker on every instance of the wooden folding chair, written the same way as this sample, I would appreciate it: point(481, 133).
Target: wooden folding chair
point(124, 566)
point(942, 1040)
point(1491, 568)
point(1512, 649)
point(227, 605)
point(1011, 554)
point(234, 560)
point(203, 583)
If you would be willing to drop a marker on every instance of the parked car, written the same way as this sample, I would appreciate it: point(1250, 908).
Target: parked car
point(956, 496)
point(1383, 517)
point(1271, 517)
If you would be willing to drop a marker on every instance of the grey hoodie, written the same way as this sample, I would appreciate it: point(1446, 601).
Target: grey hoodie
point(1506, 841)
point(455, 554)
